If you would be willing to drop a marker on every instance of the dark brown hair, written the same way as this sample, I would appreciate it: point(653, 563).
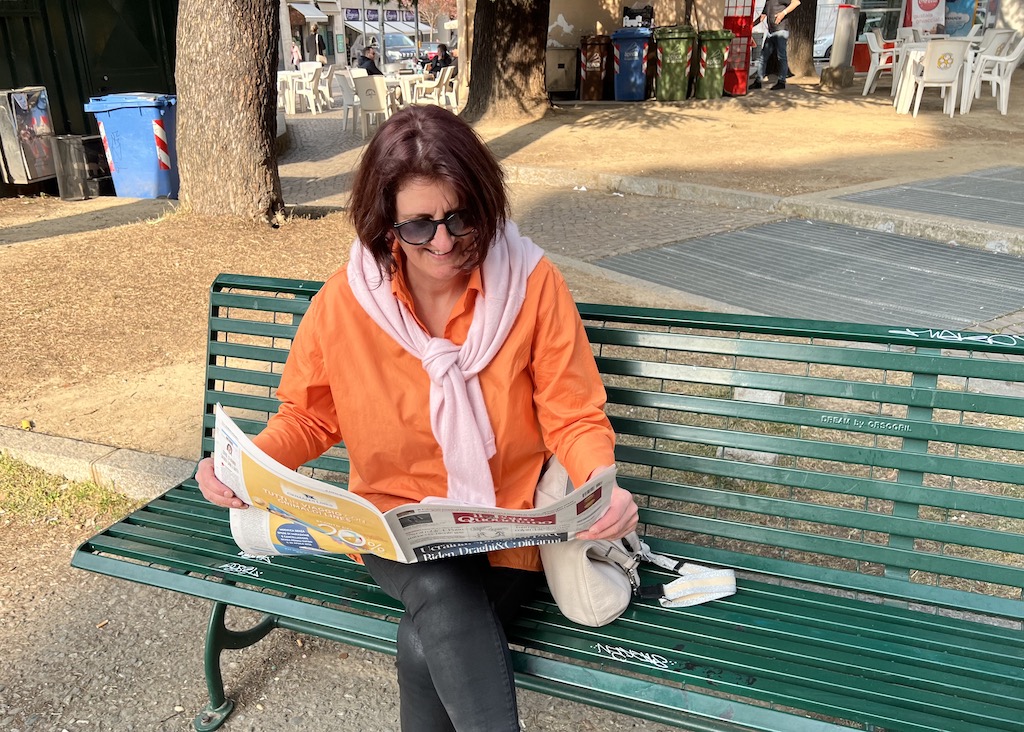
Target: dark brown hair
point(427, 141)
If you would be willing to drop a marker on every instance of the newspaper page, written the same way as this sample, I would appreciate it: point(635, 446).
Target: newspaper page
point(296, 514)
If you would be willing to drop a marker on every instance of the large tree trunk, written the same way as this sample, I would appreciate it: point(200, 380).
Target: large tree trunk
point(801, 38)
point(509, 37)
point(227, 108)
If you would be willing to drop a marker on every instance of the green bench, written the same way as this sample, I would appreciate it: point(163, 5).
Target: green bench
point(866, 483)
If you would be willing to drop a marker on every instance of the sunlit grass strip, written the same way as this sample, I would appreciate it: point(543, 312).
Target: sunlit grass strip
point(33, 495)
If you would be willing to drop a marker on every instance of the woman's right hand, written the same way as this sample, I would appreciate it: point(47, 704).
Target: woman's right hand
point(212, 489)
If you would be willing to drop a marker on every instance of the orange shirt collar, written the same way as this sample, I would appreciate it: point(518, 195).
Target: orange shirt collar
point(400, 287)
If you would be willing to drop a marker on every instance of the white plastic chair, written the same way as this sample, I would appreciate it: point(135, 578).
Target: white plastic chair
point(308, 87)
point(940, 68)
point(881, 60)
point(997, 71)
point(307, 67)
point(975, 30)
point(434, 91)
point(326, 85)
point(349, 101)
point(373, 98)
point(905, 35)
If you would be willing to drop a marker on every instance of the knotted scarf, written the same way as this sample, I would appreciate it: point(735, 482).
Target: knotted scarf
point(458, 414)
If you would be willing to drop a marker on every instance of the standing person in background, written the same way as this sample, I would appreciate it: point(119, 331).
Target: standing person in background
point(776, 13)
point(316, 47)
point(449, 355)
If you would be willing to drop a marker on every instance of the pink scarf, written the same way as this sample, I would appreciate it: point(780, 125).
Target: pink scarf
point(458, 414)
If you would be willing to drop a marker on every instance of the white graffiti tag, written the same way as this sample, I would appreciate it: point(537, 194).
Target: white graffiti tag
point(619, 653)
point(991, 339)
point(236, 568)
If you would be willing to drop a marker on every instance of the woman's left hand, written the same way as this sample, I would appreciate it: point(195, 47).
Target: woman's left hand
point(617, 521)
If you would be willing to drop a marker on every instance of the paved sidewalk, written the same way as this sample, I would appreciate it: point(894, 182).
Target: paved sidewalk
point(143, 668)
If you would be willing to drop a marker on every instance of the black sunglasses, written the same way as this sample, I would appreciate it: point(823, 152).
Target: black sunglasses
point(418, 232)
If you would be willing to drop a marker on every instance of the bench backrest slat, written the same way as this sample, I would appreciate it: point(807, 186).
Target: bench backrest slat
point(883, 460)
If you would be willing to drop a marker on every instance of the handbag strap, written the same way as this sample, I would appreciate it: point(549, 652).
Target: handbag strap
point(696, 584)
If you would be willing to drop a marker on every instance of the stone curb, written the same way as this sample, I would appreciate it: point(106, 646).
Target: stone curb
point(135, 474)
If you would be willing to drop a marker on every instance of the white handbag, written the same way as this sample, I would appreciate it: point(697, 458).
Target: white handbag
point(593, 581)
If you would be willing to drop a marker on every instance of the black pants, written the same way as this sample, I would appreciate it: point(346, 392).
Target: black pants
point(454, 665)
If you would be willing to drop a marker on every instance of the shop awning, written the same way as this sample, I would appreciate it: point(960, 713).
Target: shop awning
point(373, 27)
point(310, 12)
point(329, 6)
point(451, 24)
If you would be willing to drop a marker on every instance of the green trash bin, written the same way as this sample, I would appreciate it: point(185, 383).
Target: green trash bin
point(710, 63)
point(675, 49)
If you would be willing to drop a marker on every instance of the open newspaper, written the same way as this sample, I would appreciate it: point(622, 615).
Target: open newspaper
point(290, 513)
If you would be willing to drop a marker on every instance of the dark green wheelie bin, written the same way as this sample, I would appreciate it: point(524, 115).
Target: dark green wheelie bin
point(675, 50)
point(710, 61)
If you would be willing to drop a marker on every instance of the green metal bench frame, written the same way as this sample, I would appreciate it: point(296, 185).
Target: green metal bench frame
point(867, 484)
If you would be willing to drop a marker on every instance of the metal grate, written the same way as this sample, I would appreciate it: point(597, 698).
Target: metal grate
point(994, 196)
point(810, 269)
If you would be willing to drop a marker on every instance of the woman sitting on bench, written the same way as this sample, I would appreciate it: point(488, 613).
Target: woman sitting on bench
point(450, 357)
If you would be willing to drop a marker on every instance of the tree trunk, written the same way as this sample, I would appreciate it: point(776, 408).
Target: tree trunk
point(227, 108)
point(509, 37)
point(801, 38)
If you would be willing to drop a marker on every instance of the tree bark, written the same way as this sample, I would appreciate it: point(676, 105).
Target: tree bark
point(801, 38)
point(509, 37)
point(227, 108)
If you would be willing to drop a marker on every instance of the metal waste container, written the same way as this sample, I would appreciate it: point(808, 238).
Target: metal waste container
point(631, 52)
point(595, 67)
point(138, 132)
point(712, 57)
point(560, 70)
point(675, 49)
point(26, 155)
point(81, 167)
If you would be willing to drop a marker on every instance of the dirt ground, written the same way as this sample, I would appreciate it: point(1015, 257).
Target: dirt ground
point(105, 300)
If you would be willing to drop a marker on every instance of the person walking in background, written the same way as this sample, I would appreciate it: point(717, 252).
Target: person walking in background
point(776, 13)
point(449, 356)
point(296, 54)
point(316, 47)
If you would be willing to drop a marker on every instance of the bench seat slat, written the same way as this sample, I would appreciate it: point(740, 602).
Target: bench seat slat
point(222, 328)
point(259, 302)
point(1002, 541)
point(821, 355)
point(248, 377)
point(800, 447)
point(818, 418)
point(798, 478)
point(836, 388)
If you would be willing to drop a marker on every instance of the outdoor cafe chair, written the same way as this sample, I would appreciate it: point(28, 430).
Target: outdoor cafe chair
point(940, 67)
point(349, 101)
point(326, 86)
point(374, 99)
point(882, 59)
point(308, 88)
point(435, 89)
point(997, 71)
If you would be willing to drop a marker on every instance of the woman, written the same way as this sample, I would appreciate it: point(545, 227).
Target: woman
point(449, 356)
point(441, 59)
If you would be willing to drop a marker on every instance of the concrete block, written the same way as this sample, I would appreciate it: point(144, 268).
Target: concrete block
point(841, 78)
point(139, 474)
point(58, 455)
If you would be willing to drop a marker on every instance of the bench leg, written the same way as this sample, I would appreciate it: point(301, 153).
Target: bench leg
point(219, 638)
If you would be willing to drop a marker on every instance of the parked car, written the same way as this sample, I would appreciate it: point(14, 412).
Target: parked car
point(428, 49)
point(823, 47)
point(399, 48)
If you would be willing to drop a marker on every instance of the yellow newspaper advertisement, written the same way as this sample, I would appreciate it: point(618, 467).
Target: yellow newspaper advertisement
point(291, 513)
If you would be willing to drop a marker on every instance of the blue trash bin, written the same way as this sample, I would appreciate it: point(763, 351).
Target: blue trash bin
point(138, 132)
point(631, 48)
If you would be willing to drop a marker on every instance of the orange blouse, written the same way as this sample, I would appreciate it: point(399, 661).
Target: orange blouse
point(347, 379)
